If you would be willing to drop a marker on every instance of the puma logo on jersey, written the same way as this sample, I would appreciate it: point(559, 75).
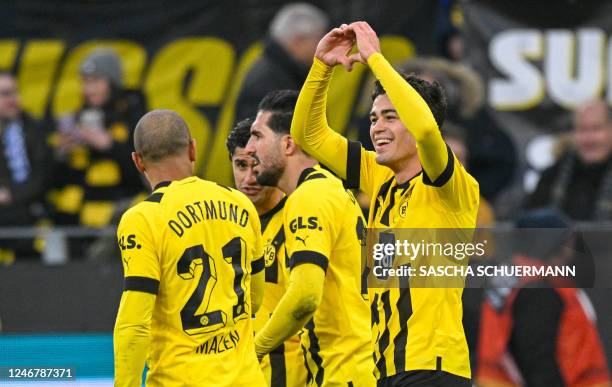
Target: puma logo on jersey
point(127, 262)
point(303, 240)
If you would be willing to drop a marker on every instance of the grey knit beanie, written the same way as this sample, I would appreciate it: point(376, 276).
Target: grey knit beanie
point(103, 63)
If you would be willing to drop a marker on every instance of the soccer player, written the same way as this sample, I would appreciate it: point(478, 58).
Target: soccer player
point(323, 225)
point(285, 365)
point(414, 181)
point(192, 258)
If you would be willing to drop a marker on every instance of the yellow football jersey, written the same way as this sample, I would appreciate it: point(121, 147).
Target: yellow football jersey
point(285, 365)
point(195, 244)
point(412, 328)
point(324, 225)
point(416, 328)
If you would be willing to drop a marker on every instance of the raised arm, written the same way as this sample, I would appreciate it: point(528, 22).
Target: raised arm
point(309, 127)
point(411, 108)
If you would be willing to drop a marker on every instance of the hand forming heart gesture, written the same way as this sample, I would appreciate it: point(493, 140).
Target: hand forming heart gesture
point(335, 46)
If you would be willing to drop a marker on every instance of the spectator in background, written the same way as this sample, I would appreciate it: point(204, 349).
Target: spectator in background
point(545, 336)
point(95, 146)
point(24, 163)
point(294, 34)
point(580, 182)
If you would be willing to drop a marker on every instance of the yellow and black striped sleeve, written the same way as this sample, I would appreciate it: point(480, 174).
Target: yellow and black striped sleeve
point(141, 266)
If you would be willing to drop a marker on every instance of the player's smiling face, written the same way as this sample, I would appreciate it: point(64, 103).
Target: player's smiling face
point(245, 179)
point(393, 144)
point(265, 146)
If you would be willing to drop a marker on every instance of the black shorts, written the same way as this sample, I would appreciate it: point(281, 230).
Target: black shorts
point(425, 378)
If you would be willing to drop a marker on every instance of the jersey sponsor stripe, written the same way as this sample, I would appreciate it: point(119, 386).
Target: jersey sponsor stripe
point(375, 320)
point(308, 371)
point(404, 307)
point(141, 284)
point(277, 364)
point(314, 352)
point(258, 265)
point(380, 197)
point(267, 217)
point(272, 270)
point(383, 343)
point(353, 162)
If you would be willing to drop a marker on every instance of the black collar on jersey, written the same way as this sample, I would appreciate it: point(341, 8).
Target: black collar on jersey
point(406, 184)
point(162, 184)
point(265, 218)
point(306, 175)
point(384, 189)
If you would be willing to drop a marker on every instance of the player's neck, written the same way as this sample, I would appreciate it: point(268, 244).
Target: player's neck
point(168, 170)
point(295, 166)
point(270, 203)
point(407, 170)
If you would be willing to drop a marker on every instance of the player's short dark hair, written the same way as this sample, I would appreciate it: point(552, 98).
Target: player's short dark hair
point(160, 134)
point(282, 104)
point(432, 93)
point(239, 136)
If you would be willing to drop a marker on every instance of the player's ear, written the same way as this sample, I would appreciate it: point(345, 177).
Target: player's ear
point(290, 146)
point(192, 150)
point(137, 159)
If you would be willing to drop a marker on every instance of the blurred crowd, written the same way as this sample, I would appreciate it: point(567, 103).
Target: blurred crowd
point(77, 169)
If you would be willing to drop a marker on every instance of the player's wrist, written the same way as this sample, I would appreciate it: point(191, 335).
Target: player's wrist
point(320, 69)
point(373, 57)
point(260, 349)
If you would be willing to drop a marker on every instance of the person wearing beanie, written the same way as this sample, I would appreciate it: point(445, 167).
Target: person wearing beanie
point(101, 73)
point(94, 146)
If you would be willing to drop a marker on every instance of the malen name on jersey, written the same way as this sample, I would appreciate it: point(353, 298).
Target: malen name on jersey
point(207, 210)
point(219, 343)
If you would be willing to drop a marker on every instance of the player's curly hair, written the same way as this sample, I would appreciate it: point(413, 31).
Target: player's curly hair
point(282, 104)
point(432, 93)
point(239, 136)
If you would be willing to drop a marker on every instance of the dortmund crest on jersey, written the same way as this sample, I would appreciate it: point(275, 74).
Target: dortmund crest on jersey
point(403, 209)
point(269, 254)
